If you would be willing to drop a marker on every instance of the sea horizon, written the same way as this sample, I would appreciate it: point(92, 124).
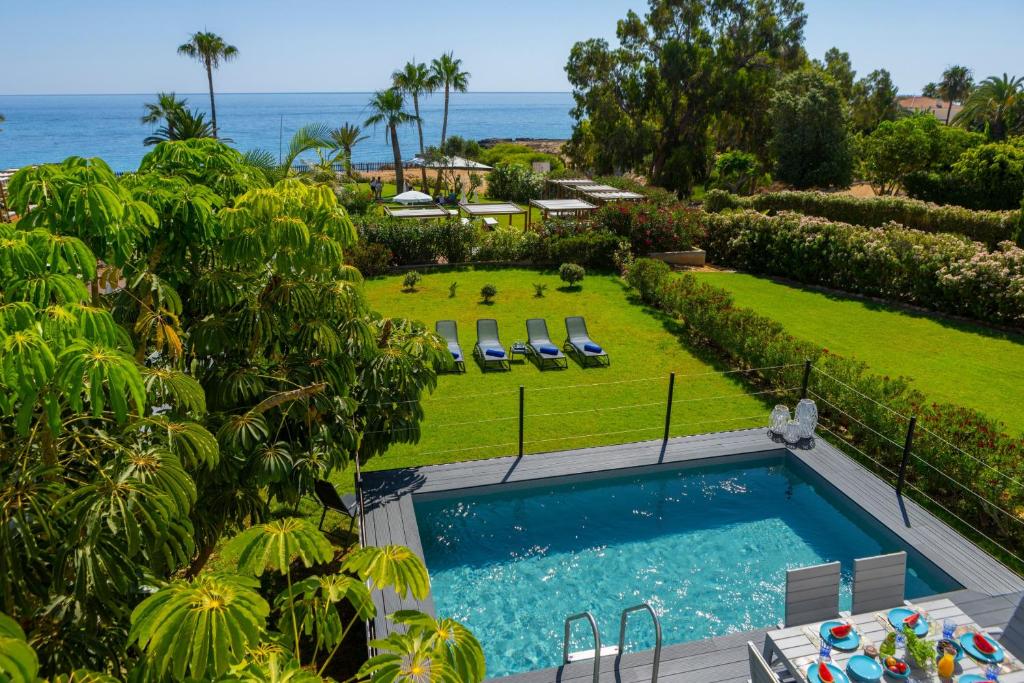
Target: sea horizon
point(48, 128)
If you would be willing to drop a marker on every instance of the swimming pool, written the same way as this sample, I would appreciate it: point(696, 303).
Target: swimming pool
point(706, 546)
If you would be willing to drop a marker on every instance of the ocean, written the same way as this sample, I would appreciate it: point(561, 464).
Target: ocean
point(46, 128)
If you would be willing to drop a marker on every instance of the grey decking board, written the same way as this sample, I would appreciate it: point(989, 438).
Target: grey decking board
point(391, 519)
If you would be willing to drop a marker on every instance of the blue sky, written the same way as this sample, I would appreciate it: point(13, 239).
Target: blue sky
point(128, 46)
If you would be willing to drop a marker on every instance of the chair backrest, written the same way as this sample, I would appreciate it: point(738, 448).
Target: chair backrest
point(812, 594)
point(1013, 635)
point(328, 495)
point(537, 331)
point(879, 582)
point(760, 672)
point(448, 330)
point(487, 331)
point(576, 327)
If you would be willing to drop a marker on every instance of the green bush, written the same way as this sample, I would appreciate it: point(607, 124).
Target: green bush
point(738, 172)
point(984, 177)
point(571, 273)
point(369, 258)
point(990, 227)
point(488, 292)
point(742, 338)
point(411, 279)
point(417, 242)
point(944, 272)
point(518, 155)
point(593, 248)
point(650, 227)
point(514, 183)
point(506, 244)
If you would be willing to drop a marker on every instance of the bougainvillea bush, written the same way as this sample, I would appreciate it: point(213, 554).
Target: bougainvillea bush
point(650, 227)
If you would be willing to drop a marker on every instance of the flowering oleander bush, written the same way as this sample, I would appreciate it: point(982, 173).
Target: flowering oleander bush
point(990, 227)
point(943, 272)
point(989, 465)
point(651, 227)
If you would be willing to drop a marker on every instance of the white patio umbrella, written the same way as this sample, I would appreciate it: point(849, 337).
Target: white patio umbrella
point(412, 197)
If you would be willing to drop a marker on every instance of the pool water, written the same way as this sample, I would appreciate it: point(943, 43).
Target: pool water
point(707, 547)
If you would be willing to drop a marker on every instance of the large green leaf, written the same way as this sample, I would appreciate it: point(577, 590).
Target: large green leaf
point(107, 375)
point(314, 603)
point(277, 544)
point(392, 566)
point(201, 627)
point(408, 658)
point(175, 387)
point(18, 661)
point(455, 642)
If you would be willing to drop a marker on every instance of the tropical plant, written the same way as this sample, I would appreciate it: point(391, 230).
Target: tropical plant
point(488, 292)
point(343, 139)
point(996, 106)
point(539, 288)
point(446, 73)
point(310, 137)
point(388, 108)
point(415, 79)
point(931, 90)
point(956, 85)
point(571, 273)
point(210, 50)
point(453, 289)
point(166, 107)
point(183, 124)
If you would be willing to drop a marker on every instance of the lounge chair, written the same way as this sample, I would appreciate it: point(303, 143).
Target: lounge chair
point(540, 347)
point(330, 499)
point(812, 594)
point(879, 582)
point(450, 333)
point(580, 346)
point(488, 350)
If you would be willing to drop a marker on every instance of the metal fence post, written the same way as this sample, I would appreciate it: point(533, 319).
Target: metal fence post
point(668, 407)
point(807, 378)
point(907, 445)
point(521, 401)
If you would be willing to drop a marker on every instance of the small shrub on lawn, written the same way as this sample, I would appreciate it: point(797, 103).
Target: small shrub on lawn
point(488, 292)
point(452, 288)
point(571, 273)
point(411, 279)
point(539, 289)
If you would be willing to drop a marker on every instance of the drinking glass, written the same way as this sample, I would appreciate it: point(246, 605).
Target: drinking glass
point(992, 672)
point(901, 644)
point(825, 652)
point(948, 626)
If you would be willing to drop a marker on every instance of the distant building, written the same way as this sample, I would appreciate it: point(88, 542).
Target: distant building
point(938, 108)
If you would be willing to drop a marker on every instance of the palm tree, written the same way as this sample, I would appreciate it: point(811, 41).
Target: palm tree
point(210, 50)
point(388, 107)
point(446, 72)
point(415, 79)
point(343, 139)
point(166, 108)
point(955, 86)
point(312, 136)
point(186, 124)
point(997, 104)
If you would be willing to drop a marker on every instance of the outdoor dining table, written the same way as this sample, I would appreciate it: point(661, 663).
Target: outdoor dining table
point(798, 646)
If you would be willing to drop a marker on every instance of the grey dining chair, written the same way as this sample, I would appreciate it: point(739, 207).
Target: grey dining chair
point(812, 594)
point(760, 672)
point(879, 582)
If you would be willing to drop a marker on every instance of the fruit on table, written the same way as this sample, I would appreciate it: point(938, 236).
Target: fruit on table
point(912, 619)
point(841, 631)
point(824, 674)
point(983, 644)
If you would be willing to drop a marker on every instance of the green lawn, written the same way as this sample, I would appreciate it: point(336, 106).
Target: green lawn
point(475, 415)
point(948, 361)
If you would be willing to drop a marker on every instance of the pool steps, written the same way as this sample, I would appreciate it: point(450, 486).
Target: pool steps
point(610, 650)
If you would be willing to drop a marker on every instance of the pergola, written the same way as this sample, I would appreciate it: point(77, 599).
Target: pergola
point(612, 195)
point(421, 213)
point(488, 210)
point(560, 187)
point(560, 207)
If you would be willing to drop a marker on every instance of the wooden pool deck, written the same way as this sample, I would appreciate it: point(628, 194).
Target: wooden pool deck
point(990, 590)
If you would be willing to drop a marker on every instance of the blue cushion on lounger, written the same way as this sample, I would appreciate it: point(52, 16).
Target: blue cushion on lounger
point(548, 350)
point(591, 347)
point(456, 355)
point(494, 353)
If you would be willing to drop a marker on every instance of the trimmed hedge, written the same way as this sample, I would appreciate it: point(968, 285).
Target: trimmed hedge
point(989, 227)
point(942, 272)
point(744, 339)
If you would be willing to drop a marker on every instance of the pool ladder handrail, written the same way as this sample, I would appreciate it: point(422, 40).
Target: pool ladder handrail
point(597, 641)
point(657, 635)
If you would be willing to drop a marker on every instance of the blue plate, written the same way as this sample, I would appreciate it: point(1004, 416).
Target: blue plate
point(837, 673)
point(971, 678)
point(967, 643)
point(896, 617)
point(864, 668)
point(850, 642)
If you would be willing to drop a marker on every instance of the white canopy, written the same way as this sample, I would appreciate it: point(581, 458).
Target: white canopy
point(412, 197)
